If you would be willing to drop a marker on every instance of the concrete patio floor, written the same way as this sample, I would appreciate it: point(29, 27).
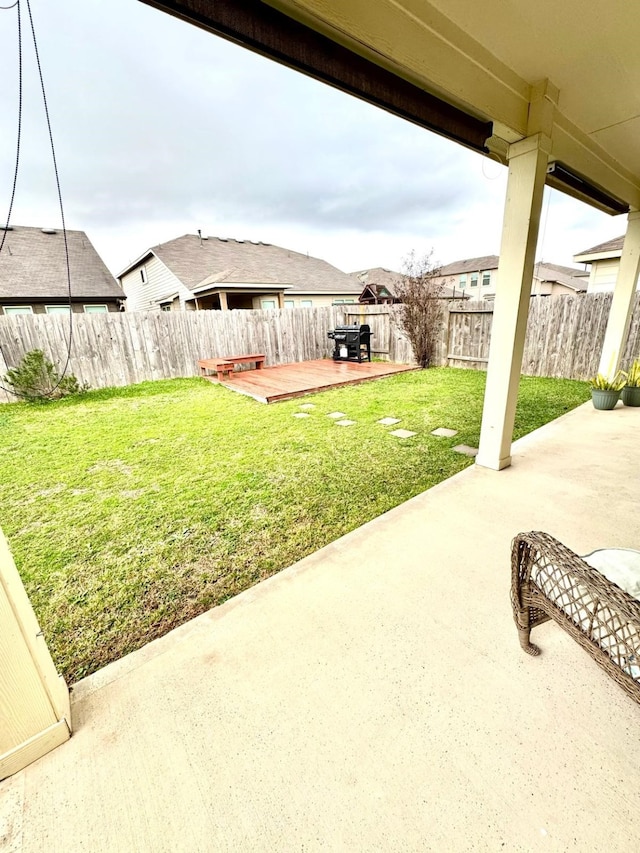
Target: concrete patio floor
point(372, 696)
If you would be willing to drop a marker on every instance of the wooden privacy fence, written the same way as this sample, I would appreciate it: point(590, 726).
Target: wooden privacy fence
point(122, 349)
point(564, 338)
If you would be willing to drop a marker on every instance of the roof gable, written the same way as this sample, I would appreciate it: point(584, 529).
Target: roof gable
point(33, 266)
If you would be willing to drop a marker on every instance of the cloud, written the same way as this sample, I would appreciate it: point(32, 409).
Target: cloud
point(161, 128)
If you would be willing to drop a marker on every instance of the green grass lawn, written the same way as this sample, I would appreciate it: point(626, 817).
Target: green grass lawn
point(131, 510)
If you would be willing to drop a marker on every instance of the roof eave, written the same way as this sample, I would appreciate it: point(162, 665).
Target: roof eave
point(135, 263)
point(589, 257)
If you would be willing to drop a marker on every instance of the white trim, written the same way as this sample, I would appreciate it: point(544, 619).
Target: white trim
point(13, 313)
point(91, 305)
point(134, 264)
point(168, 298)
point(588, 257)
point(269, 287)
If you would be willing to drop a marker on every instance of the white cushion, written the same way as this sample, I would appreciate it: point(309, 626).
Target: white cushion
point(620, 565)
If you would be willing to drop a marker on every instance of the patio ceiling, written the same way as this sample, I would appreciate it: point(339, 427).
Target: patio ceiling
point(485, 60)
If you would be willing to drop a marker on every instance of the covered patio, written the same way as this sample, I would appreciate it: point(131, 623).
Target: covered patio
point(374, 695)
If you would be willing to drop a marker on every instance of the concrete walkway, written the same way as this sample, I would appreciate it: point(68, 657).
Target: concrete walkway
point(373, 696)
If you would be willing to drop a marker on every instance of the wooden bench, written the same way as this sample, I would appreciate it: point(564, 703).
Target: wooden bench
point(223, 367)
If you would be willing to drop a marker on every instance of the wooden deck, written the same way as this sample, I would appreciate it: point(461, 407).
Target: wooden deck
point(293, 380)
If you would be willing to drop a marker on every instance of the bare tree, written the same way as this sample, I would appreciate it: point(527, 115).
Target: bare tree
point(420, 289)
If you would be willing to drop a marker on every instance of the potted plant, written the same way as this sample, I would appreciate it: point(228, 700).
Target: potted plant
point(631, 391)
point(605, 392)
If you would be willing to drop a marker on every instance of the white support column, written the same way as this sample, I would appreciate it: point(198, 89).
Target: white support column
point(623, 298)
point(527, 169)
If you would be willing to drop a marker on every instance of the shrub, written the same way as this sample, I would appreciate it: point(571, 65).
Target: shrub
point(420, 289)
point(36, 379)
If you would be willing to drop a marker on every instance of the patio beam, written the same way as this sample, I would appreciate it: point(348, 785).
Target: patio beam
point(623, 298)
point(525, 188)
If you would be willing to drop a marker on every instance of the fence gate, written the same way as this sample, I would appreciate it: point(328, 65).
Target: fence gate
point(469, 335)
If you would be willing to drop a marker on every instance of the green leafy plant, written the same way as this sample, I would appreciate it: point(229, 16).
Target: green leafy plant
point(36, 379)
point(603, 383)
point(633, 376)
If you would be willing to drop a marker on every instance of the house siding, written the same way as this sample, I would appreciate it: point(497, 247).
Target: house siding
point(160, 282)
point(76, 307)
point(604, 274)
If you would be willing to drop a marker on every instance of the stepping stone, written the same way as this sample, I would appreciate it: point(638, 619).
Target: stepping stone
point(308, 406)
point(464, 448)
point(336, 415)
point(403, 433)
point(300, 415)
point(345, 423)
point(444, 432)
point(389, 421)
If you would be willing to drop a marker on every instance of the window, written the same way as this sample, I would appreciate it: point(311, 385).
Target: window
point(166, 307)
point(343, 301)
point(474, 279)
point(486, 278)
point(306, 303)
point(463, 281)
point(143, 275)
point(17, 309)
point(268, 304)
point(95, 309)
point(57, 309)
point(289, 303)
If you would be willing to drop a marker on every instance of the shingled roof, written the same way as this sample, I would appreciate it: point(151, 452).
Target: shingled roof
point(33, 266)
point(378, 275)
point(571, 277)
point(485, 262)
point(614, 245)
point(390, 280)
point(193, 261)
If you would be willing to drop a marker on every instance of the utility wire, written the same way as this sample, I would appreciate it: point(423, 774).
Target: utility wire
point(15, 172)
point(55, 169)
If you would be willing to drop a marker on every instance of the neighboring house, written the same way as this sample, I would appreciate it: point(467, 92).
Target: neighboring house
point(478, 278)
point(604, 260)
point(33, 274)
point(380, 287)
point(193, 273)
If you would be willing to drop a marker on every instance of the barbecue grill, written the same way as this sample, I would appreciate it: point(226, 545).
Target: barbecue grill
point(351, 343)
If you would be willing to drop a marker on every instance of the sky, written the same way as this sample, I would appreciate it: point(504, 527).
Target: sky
point(161, 129)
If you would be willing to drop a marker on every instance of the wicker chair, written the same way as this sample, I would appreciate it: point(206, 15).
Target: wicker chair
point(549, 581)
